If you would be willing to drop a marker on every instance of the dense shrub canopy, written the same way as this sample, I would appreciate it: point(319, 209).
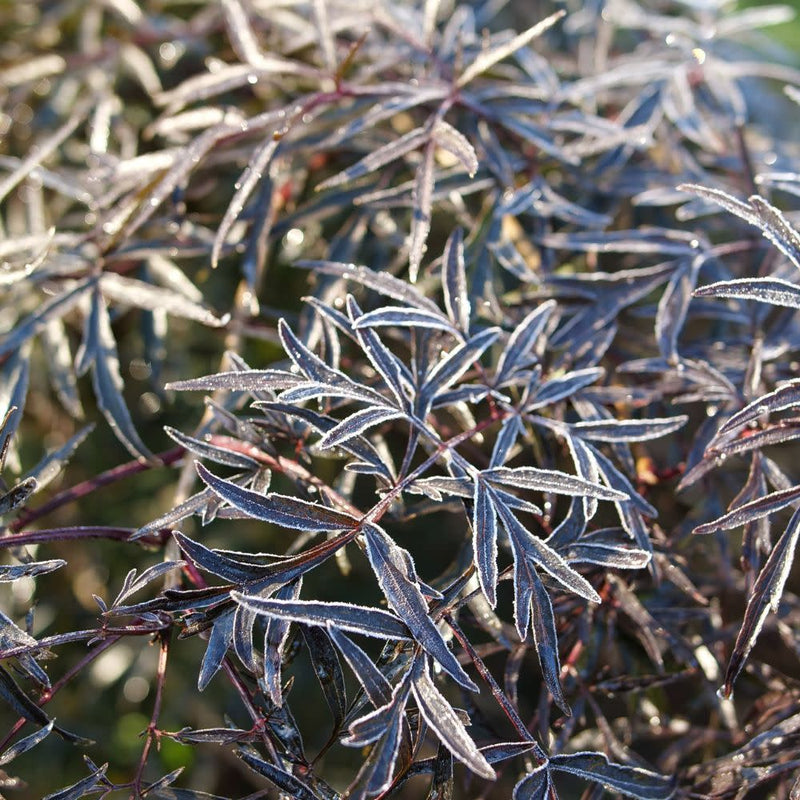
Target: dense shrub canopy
point(397, 400)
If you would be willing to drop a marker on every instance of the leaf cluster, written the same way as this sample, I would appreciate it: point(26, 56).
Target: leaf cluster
point(465, 347)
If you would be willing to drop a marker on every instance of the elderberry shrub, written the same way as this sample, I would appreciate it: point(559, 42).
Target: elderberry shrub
point(448, 347)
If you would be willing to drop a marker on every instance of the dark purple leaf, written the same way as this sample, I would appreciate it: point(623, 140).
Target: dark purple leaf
point(245, 185)
point(765, 597)
point(360, 448)
point(532, 602)
point(442, 783)
point(328, 670)
point(586, 467)
point(195, 504)
point(25, 744)
point(165, 781)
point(134, 582)
point(381, 282)
point(283, 725)
point(775, 291)
point(454, 281)
point(526, 545)
point(288, 512)
point(536, 785)
point(510, 431)
point(642, 240)
point(488, 58)
point(289, 568)
point(755, 509)
point(634, 524)
point(618, 481)
point(775, 433)
point(89, 785)
point(444, 722)
point(543, 627)
point(51, 466)
point(388, 561)
point(14, 379)
point(628, 430)
point(244, 620)
point(484, 533)
point(785, 396)
point(276, 634)
point(384, 361)
point(175, 600)
point(255, 380)
point(211, 735)
point(128, 291)
point(571, 527)
point(616, 556)
point(178, 172)
point(452, 366)
point(25, 707)
point(218, 455)
point(316, 369)
point(312, 390)
point(283, 780)
point(54, 308)
point(493, 753)
point(757, 211)
point(550, 480)
point(650, 634)
point(346, 616)
point(17, 495)
point(510, 259)
point(107, 381)
point(673, 307)
point(219, 641)
point(449, 138)
point(387, 725)
point(635, 782)
point(374, 724)
point(11, 636)
point(437, 485)
point(403, 317)
point(357, 423)
point(369, 676)
point(544, 201)
point(421, 211)
point(557, 389)
point(379, 157)
point(517, 352)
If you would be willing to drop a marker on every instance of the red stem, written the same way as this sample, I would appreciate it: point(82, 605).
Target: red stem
point(47, 696)
point(509, 710)
point(87, 487)
point(76, 532)
point(152, 729)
